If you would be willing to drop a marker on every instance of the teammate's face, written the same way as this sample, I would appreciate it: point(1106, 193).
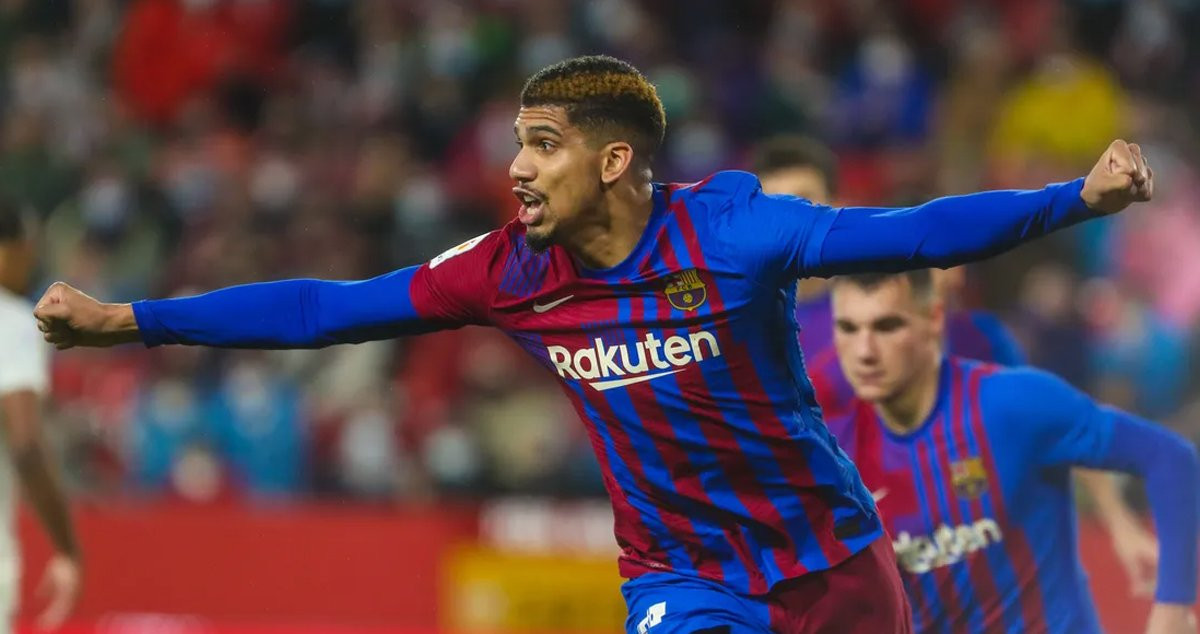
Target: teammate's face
point(803, 181)
point(557, 173)
point(885, 336)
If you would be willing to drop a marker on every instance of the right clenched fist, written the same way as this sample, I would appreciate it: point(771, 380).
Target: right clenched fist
point(68, 317)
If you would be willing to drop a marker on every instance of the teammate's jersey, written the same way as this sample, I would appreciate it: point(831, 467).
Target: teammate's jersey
point(972, 334)
point(23, 366)
point(681, 360)
point(978, 498)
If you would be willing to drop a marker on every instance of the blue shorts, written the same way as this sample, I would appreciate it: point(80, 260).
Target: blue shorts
point(668, 603)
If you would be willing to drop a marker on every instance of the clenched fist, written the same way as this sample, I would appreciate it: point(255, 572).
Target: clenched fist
point(1120, 178)
point(68, 317)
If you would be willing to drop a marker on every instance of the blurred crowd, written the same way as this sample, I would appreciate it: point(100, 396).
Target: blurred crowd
point(168, 147)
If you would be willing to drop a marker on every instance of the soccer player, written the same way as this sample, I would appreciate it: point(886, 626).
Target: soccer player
point(970, 464)
point(800, 166)
point(24, 378)
point(666, 313)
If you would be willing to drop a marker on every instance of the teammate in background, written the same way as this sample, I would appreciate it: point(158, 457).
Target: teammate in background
point(661, 309)
point(802, 167)
point(970, 465)
point(24, 379)
point(799, 166)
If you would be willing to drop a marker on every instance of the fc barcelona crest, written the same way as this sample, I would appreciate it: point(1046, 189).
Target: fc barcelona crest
point(685, 290)
point(968, 477)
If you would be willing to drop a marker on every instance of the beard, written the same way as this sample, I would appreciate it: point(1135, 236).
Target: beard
point(539, 242)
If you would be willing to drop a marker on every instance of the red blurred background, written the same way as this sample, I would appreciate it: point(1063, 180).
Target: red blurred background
point(414, 571)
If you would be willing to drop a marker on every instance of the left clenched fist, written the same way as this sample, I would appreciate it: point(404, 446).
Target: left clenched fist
point(1120, 178)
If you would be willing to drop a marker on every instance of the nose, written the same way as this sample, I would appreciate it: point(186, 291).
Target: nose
point(865, 348)
point(522, 169)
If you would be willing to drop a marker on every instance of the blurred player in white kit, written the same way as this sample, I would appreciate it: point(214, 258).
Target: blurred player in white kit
point(24, 382)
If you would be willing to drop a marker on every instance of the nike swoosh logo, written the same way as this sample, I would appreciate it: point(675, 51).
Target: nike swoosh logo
point(541, 308)
point(600, 386)
point(879, 494)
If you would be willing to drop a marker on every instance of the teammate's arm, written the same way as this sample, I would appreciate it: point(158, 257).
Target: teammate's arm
point(1136, 548)
point(1064, 427)
point(448, 292)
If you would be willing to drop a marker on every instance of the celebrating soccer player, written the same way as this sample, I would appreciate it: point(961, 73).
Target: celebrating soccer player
point(970, 465)
point(665, 311)
point(802, 167)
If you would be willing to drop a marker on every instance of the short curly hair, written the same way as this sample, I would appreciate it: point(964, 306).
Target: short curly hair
point(605, 97)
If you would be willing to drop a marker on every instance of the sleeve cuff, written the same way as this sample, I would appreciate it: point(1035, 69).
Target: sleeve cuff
point(1067, 206)
point(149, 327)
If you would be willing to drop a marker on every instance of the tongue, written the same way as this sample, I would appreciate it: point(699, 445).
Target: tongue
point(530, 214)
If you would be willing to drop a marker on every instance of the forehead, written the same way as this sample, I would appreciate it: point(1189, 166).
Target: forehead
point(888, 297)
point(542, 118)
point(799, 180)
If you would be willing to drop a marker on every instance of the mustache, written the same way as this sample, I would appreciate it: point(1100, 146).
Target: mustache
point(532, 191)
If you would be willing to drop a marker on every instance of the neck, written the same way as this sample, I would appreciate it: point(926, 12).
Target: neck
point(615, 227)
point(905, 411)
point(14, 268)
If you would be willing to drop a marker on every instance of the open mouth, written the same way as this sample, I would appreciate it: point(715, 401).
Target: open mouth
point(532, 205)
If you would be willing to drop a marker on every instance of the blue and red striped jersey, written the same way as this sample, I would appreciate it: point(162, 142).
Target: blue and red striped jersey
point(681, 363)
point(979, 505)
point(681, 360)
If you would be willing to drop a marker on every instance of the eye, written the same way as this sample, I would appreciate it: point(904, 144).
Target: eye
point(545, 146)
point(890, 324)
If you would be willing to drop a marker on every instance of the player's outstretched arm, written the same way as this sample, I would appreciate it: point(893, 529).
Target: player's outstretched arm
point(268, 315)
point(958, 229)
point(448, 292)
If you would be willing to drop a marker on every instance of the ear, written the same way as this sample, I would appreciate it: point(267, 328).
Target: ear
point(937, 317)
point(616, 159)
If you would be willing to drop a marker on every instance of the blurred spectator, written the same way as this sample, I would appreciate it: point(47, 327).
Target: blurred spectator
point(1053, 122)
point(256, 423)
point(172, 50)
point(1048, 325)
point(167, 420)
point(1139, 360)
point(884, 97)
point(29, 171)
point(970, 102)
